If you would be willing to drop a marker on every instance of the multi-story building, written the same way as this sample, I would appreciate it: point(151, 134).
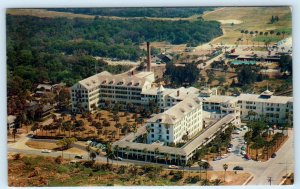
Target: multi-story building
point(274, 109)
point(87, 94)
point(166, 98)
point(184, 118)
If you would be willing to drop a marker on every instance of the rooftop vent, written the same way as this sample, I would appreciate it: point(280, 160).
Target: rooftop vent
point(136, 84)
point(130, 83)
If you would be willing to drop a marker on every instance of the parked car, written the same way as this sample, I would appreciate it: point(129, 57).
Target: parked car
point(238, 168)
point(119, 159)
point(224, 156)
point(229, 149)
point(173, 167)
point(243, 152)
point(77, 156)
point(230, 145)
point(243, 148)
point(46, 151)
point(273, 155)
point(216, 158)
point(247, 156)
point(73, 161)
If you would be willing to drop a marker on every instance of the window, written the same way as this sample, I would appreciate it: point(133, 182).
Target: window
point(152, 136)
point(167, 137)
point(167, 131)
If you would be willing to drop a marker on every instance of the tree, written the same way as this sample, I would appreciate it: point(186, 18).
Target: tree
point(189, 164)
point(116, 118)
point(14, 132)
point(65, 143)
point(116, 149)
point(145, 151)
point(35, 127)
point(206, 166)
point(109, 151)
point(118, 126)
point(246, 75)
point(225, 167)
point(156, 151)
point(127, 149)
point(200, 166)
point(92, 156)
point(185, 137)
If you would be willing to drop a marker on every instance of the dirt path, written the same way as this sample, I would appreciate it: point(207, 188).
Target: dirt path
point(209, 12)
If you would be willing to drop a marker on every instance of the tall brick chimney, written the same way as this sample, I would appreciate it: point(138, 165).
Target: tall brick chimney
point(148, 57)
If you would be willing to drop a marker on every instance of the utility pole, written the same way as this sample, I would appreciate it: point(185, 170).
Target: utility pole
point(270, 180)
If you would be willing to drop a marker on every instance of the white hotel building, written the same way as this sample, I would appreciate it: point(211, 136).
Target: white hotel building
point(185, 118)
point(88, 93)
point(274, 109)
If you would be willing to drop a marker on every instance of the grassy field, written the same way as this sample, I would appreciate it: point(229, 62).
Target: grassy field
point(45, 13)
point(252, 19)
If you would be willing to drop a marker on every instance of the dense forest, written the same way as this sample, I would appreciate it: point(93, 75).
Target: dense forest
point(167, 12)
point(64, 50)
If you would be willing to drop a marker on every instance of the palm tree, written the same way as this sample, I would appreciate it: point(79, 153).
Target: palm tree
point(118, 126)
point(225, 167)
point(206, 166)
point(116, 118)
point(109, 151)
point(200, 166)
point(116, 149)
point(127, 149)
point(156, 151)
point(167, 158)
point(35, 127)
point(14, 132)
point(189, 164)
point(145, 151)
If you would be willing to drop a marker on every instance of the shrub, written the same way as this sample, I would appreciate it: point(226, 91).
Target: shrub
point(177, 176)
point(17, 156)
point(58, 160)
point(171, 172)
point(62, 169)
point(192, 179)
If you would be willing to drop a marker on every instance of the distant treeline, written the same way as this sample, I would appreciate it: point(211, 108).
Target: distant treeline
point(104, 37)
point(62, 49)
point(166, 12)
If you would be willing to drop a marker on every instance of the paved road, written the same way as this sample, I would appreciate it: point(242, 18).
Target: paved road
point(275, 168)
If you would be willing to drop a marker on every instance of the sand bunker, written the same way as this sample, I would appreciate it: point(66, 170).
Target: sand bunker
point(230, 21)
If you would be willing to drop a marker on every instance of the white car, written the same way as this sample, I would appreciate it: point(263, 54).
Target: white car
point(243, 153)
point(173, 167)
point(229, 149)
point(46, 151)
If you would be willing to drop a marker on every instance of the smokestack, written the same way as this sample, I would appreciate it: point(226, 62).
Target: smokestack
point(148, 57)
